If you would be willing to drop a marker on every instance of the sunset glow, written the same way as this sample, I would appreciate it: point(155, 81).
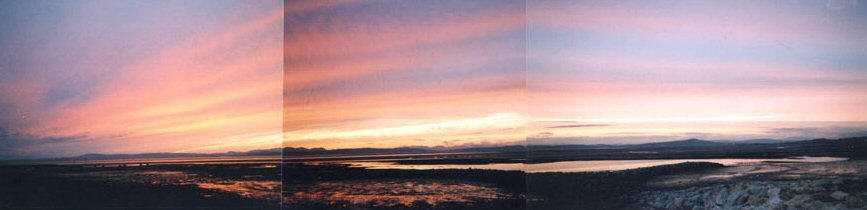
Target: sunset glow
point(117, 77)
point(661, 70)
point(210, 76)
point(415, 73)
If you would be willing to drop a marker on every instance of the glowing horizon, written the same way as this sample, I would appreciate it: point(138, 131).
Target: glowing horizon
point(414, 73)
point(650, 71)
point(202, 76)
point(660, 70)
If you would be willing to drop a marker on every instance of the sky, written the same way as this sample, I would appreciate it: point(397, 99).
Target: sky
point(451, 73)
point(614, 72)
point(82, 77)
point(388, 74)
point(105, 76)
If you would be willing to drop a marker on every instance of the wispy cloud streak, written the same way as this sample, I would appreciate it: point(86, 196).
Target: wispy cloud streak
point(663, 64)
point(193, 76)
point(375, 74)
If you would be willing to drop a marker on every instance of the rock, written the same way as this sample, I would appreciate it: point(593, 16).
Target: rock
point(838, 206)
point(755, 200)
point(774, 192)
point(742, 200)
point(752, 189)
point(719, 198)
point(800, 194)
point(818, 185)
point(798, 188)
point(797, 201)
point(670, 205)
point(774, 202)
point(736, 197)
point(678, 201)
point(817, 205)
point(853, 202)
point(821, 182)
point(839, 195)
point(658, 203)
point(817, 188)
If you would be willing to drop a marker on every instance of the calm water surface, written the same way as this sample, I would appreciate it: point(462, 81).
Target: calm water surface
point(582, 166)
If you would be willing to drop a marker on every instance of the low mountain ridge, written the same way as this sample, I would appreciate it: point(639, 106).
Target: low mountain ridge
point(299, 151)
point(682, 143)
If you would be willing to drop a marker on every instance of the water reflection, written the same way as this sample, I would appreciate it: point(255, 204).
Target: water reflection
point(248, 189)
point(244, 185)
point(395, 192)
point(582, 166)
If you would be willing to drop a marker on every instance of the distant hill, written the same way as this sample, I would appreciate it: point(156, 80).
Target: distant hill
point(263, 152)
point(681, 143)
point(760, 141)
point(298, 151)
point(513, 148)
point(756, 141)
point(291, 151)
point(137, 156)
point(288, 151)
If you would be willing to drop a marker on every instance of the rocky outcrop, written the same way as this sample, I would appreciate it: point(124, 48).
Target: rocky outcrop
point(841, 193)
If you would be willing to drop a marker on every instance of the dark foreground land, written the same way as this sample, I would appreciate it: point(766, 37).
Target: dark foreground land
point(141, 187)
point(313, 187)
point(600, 190)
point(691, 185)
point(434, 189)
point(317, 185)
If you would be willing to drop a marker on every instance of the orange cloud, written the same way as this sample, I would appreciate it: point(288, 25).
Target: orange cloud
point(344, 37)
point(363, 79)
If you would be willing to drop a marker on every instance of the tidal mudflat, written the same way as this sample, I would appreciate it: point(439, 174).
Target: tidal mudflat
point(173, 186)
point(340, 186)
